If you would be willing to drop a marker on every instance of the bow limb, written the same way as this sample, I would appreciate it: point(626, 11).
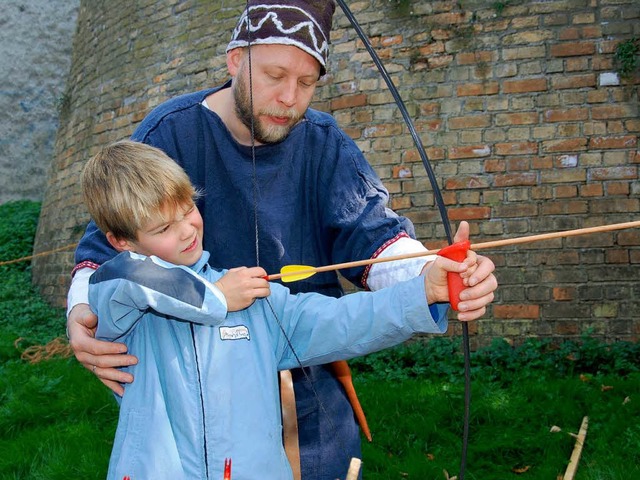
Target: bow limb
point(441, 207)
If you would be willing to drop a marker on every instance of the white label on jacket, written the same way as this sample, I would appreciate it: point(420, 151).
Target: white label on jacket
point(239, 332)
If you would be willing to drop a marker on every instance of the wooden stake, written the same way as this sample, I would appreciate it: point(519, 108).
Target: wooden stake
point(354, 469)
point(577, 450)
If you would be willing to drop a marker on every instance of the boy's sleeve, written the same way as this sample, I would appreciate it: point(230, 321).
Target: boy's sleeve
point(324, 329)
point(125, 288)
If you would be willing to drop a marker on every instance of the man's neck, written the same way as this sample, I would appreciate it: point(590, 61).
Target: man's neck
point(222, 103)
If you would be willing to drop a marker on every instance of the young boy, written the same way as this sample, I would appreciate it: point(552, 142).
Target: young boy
point(209, 345)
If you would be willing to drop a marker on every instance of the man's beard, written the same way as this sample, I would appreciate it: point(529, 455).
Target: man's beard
point(262, 133)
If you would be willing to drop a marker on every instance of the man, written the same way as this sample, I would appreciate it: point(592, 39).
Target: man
point(253, 145)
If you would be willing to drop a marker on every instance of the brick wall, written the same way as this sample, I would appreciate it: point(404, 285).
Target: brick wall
point(519, 105)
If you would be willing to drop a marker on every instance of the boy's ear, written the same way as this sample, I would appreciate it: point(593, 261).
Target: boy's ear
point(118, 243)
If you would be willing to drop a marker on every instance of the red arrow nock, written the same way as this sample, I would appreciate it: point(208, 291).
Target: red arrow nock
point(457, 252)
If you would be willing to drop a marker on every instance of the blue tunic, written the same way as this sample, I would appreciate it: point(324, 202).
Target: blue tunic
point(318, 202)
point(206, 386)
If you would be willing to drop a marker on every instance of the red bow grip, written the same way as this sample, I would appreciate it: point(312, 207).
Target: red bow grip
point(457, 252)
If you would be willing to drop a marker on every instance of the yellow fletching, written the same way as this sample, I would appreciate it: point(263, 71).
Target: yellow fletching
point(293, 273)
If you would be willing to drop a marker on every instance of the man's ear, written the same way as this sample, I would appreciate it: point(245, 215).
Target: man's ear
point(234, 60)
point(119, 244)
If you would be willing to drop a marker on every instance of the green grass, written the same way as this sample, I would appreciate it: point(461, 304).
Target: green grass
point(417, 427)
point(518, 394)
point(57, 420)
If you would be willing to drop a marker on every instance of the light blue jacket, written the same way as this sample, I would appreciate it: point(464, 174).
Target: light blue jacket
point(206, 385)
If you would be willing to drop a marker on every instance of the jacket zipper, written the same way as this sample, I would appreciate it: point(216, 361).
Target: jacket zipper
point(204, 423)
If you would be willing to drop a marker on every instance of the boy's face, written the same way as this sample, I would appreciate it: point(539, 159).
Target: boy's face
point(176, 239)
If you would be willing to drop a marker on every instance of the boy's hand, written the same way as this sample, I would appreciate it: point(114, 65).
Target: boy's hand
point(242, 285)
point(476, 272)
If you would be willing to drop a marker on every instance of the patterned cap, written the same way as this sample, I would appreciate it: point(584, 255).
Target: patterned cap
point(302, 23)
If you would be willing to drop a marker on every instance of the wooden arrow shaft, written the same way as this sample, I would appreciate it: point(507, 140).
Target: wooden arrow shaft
point(552, 235)
point(474, 246)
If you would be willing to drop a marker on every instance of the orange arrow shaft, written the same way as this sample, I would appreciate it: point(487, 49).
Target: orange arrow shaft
point(474, 246)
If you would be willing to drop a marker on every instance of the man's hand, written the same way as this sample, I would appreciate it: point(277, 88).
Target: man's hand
point(100, 357)
point(477, 275)
point(242, 285)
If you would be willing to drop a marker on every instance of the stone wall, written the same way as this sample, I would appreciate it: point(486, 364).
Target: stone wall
point(519, 104)
point(35, 55)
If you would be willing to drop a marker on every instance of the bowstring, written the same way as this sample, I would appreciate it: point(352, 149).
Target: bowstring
point(443, 214)
point(306, 375)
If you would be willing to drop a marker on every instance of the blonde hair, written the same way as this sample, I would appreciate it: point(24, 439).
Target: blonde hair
point(127, 184)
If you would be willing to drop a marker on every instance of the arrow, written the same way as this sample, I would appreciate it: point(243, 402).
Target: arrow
point(294, 273)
